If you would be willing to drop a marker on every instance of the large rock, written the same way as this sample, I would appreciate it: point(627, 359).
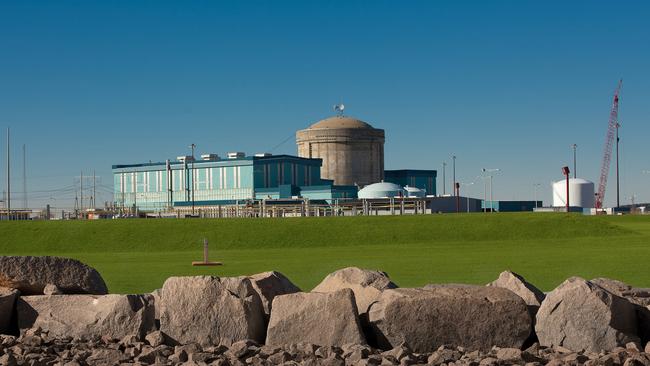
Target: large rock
point(326, 319)
point(517, 284)
point(209, 310)
point(7, 301)
point(367, 285)
point(30, 275)
point(268, 285)
point(474, 317)
point(156, 303)
point(639, 297)
point(87, 316)
point(579, 315)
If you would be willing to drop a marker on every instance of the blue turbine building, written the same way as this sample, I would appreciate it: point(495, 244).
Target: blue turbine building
point(216, 181)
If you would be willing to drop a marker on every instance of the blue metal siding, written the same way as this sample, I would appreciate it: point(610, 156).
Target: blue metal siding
point(246, 177)
point(221, 181)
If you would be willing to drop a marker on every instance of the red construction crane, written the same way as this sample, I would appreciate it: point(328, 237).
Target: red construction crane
point(609, 143)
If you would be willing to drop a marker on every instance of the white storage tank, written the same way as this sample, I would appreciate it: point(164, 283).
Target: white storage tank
point(581, 193)
point(381, 190)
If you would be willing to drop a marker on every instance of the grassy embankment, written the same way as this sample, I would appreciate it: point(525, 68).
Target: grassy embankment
point(137, 255)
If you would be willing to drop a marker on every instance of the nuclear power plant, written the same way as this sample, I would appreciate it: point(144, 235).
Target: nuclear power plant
point(352, 150)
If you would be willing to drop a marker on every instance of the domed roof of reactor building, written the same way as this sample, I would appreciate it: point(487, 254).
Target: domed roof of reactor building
point(340, 122)
point(381, 190)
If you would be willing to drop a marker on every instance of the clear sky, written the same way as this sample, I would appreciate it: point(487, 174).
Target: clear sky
point(500, 84)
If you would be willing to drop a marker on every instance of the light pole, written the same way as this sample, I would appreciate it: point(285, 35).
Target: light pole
point(535, 186)
point(467, 185)
point(453, 158)
point(490, 171)
point(444, 189)
point(484, 178)
point(192, 146)
point(575, 170)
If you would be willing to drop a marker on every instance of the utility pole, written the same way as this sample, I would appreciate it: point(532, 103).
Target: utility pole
point(81, 193)
point(454, 165)
point(24, 178)
point(444, 190)
point(94, 190)
point(575, 168)
point(8, 179)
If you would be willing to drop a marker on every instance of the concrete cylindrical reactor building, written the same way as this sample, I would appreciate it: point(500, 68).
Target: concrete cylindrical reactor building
point(581, 193)
point(352, 150)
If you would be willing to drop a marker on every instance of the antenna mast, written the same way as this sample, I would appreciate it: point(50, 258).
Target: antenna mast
point(8, 204)
point(612, 131)
point(339, 108)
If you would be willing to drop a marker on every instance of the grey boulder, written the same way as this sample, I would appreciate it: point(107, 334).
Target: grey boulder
point(367, 285)
point(268, 285)
point(474, 317)
point(639, 297)
point(209, 310)
point(31, 275)
point(156, 302)
point(87, 316)
point(580, 315)
point(7, 302)
point(326, 319)
point(517, 284)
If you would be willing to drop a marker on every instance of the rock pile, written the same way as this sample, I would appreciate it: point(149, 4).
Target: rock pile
point(36, 347)
point(354, 316)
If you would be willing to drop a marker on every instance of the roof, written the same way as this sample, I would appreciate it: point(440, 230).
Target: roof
point(199, 163)
point(340, 122)
point(575, 181)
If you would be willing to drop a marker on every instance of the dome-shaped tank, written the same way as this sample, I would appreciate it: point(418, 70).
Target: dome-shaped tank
point(381, 190)
point(414, 192)
point(581, 193)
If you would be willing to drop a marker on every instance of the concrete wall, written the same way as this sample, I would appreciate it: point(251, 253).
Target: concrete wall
point(350, 155)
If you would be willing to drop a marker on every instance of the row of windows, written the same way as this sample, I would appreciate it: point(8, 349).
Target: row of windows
point(296, 177)
point(201, 179)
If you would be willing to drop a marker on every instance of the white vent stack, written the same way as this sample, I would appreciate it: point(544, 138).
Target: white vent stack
point(210, 157)
point(185, 158)
point(581, 193)
point(236, 155)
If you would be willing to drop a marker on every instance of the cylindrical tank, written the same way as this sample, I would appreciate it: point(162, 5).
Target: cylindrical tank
point(381, 190)
point(352, 150)
point(581, 193)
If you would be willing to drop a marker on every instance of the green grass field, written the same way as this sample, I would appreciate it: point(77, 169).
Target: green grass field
point(138, 255)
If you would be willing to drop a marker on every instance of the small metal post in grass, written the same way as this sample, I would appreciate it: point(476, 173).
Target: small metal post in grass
point(206, 260)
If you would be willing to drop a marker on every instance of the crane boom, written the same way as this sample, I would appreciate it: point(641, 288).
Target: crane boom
point(607, 151)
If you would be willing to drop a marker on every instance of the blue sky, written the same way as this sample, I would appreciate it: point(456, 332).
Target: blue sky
point(500, 84)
